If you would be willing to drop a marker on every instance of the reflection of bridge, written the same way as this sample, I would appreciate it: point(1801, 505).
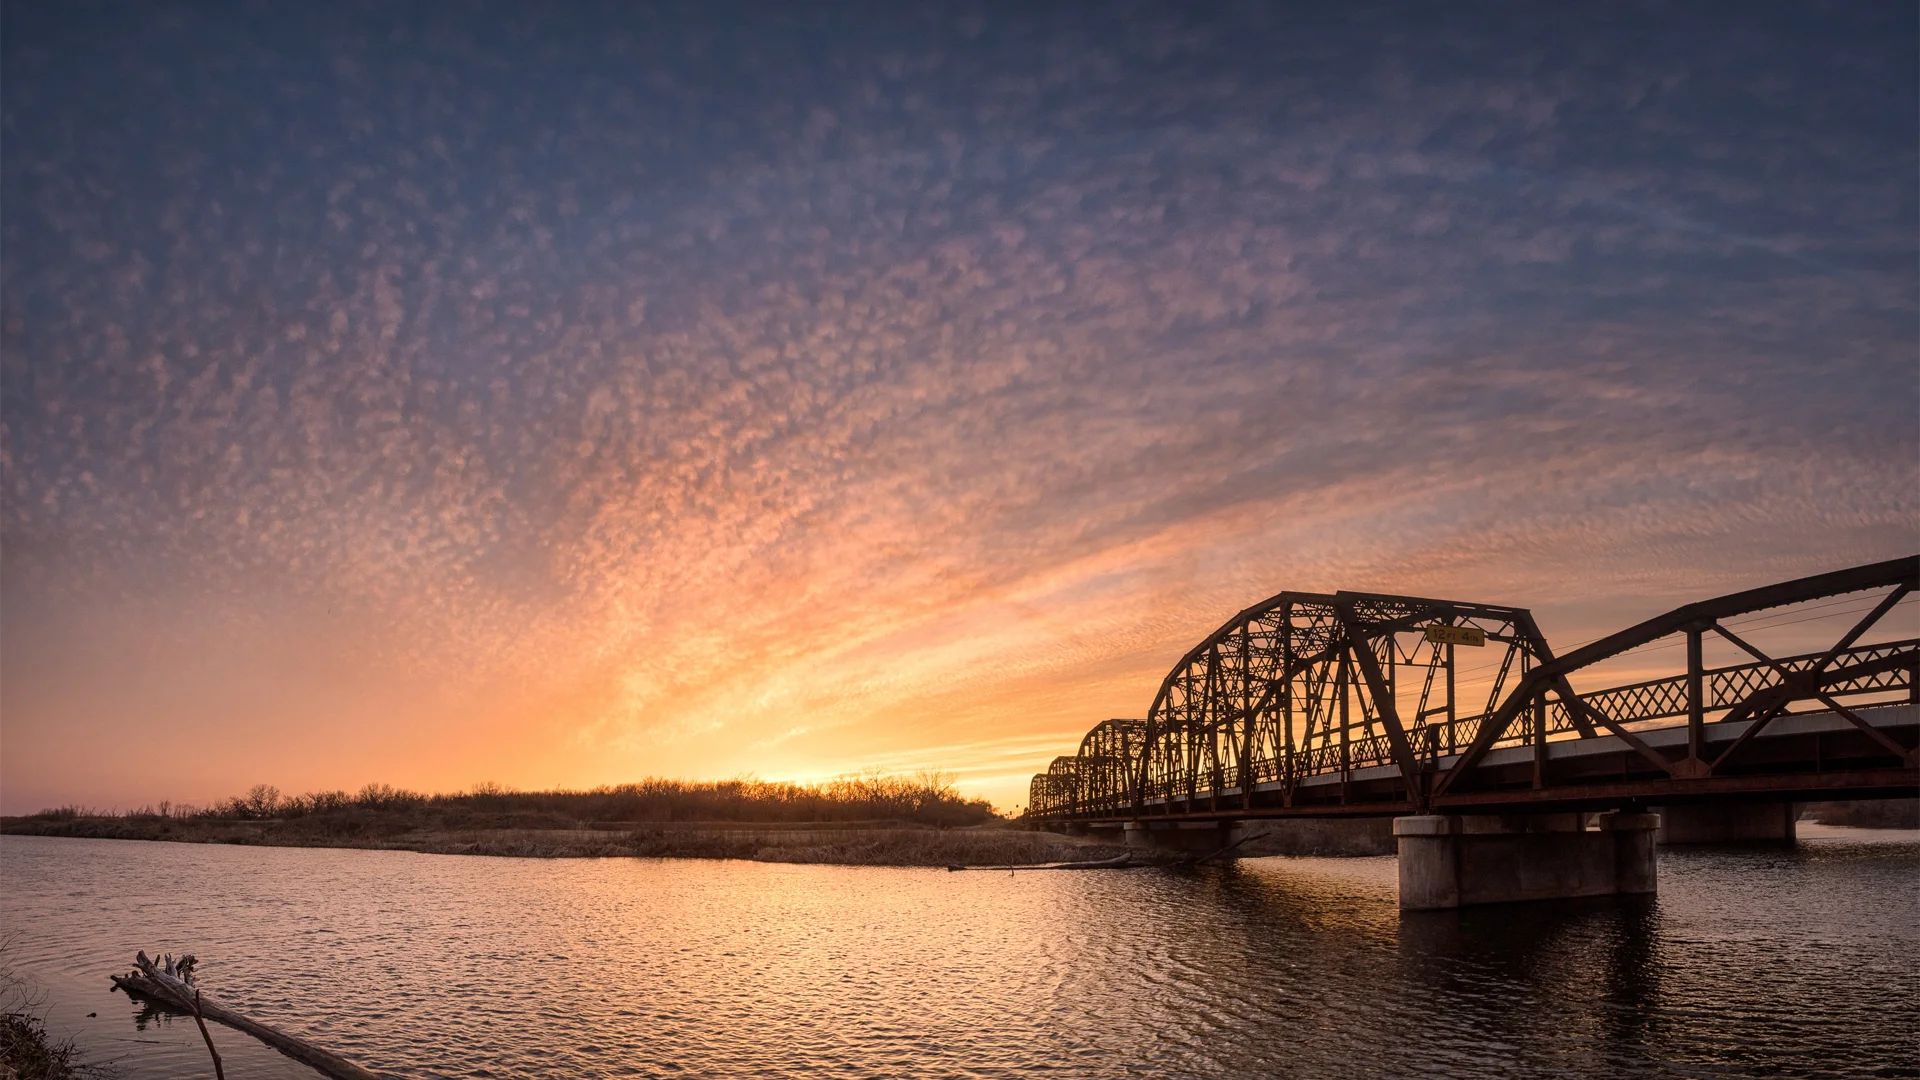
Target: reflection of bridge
point(1353, 705)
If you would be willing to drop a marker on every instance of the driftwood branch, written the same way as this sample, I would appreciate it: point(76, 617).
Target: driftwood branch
point(200, 1020)
point(171, 984)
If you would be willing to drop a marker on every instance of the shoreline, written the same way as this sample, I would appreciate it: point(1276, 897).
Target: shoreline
point(848, 843)
point(839, 843)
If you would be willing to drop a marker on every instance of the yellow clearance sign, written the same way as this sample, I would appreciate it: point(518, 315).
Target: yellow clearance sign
point(1456, 635)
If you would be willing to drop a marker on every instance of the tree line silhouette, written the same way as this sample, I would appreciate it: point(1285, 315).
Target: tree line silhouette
point(925, 798)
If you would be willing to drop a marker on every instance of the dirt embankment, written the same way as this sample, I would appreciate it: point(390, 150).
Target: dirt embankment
point(1866, 814)
point(854, 844)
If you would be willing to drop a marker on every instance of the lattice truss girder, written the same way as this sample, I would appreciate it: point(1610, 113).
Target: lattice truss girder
point(1311, 684)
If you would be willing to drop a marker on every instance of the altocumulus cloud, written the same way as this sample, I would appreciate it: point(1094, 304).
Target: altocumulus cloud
point(562, 396)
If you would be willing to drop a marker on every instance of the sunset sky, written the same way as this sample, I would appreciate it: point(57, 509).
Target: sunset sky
point(563, 394)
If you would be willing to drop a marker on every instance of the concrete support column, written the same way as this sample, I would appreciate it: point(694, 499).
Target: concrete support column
point(1453, 860)
point(1635, 870)
point(1178, 837)
point(1429, 861)
point(1728, 823)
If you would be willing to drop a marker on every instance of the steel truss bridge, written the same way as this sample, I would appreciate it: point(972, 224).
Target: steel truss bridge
point(1347, 704)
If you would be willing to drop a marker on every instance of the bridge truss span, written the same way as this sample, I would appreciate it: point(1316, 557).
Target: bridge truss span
point(1354, 703)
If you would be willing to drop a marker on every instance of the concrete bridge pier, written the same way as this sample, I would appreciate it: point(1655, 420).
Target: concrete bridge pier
point(1728, 823)
point(1179, 837)
point(1454, 860)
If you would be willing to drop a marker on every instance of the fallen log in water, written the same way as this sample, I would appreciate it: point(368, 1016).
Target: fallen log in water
point(1115, 863)
point(171, 985)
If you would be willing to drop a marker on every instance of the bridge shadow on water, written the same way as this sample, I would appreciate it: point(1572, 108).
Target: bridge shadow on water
point(1753, 961)
point(1309, 968)
point(1587, 969)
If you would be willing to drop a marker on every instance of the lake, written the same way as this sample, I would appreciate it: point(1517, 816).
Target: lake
point(1801, 961)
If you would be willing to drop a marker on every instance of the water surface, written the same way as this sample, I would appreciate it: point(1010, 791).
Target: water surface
point(1800, 961)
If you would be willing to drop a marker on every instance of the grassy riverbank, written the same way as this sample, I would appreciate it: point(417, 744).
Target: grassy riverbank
point(851, 843)
point(869, 819)
point(27, 1052)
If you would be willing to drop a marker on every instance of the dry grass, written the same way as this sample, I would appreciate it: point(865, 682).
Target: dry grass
point(867, 844)
point(26, 1051)
point(27, 1054)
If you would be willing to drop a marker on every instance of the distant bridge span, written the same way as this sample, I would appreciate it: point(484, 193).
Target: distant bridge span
point(1351, 705)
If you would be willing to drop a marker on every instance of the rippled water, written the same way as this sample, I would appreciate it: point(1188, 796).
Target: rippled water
point(1786, 962)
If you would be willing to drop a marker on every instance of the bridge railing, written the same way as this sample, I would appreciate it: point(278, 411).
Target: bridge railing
point(1727, 687)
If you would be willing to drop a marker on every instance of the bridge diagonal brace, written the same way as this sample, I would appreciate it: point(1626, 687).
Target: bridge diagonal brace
point(1776, 665)
point(1800, 684)
point(1777, 700)
point(1639, 745)
point(1577, 707)
point(1492, 728)
point(1382, 696)
point(1898, 594)
point(1781, 696)
point(1770, 702)
point(1904, 753)
point(1544, 653)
